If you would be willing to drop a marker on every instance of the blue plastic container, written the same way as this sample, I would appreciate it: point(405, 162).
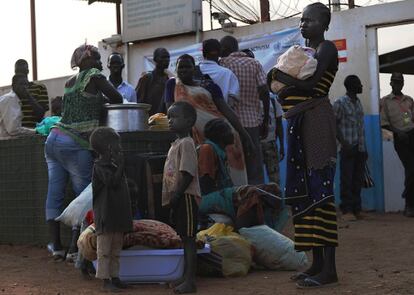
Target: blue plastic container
point(153, 266)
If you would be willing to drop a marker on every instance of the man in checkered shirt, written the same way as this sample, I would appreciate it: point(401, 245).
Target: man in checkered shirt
point(350, 133)
point(253, 89)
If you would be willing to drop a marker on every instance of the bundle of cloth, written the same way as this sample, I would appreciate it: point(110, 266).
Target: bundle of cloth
point(158, 121)
point(245, 205)
point(298, 62)
point(146, 233)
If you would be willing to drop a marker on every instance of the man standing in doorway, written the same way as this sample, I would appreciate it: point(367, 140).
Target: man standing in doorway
point(116, 65)
point(33, 97)
point(150, 87)
point(253, 89)
point(397, 115)
point(351, 135)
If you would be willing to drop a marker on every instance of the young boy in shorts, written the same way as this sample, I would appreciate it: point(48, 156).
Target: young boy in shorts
point(181, 188)
point(111, 205)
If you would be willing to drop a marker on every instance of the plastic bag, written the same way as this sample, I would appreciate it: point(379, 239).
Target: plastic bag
point(230, 257)
point(230, 253)
point(87, 243)
point(216, 230)
point(75, 212)
point(273, 250)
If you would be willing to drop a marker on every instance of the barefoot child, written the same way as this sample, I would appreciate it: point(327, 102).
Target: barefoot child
point(181, 188)
point(111, 205)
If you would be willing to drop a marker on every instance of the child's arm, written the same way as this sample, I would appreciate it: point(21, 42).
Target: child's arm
point(183, 183)
point(207, 184)
point(118, 176)
point(107, 177)
point(207, 168)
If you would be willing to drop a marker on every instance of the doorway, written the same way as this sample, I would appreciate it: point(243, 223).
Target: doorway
point(391, 39)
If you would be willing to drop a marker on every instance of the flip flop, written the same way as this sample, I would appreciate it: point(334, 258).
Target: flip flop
point(299, 276)
point(310, 283)
point(58, 255)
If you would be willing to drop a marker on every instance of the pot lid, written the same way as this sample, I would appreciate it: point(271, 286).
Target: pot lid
point(141, 106)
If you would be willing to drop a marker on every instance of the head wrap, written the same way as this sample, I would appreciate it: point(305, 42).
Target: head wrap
point(80, 53)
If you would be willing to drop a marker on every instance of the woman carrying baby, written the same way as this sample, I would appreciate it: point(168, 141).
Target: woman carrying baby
point(311, 153)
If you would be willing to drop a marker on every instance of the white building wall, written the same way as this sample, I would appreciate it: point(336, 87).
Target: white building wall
point(54, 86)
point(349, 24)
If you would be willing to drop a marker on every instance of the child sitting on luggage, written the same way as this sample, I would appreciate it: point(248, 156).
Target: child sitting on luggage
point(245, 205)
point(111, 205)
point(212, 162)
point(181, 188)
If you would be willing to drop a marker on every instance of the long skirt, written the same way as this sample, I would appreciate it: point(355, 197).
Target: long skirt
point(310, 193)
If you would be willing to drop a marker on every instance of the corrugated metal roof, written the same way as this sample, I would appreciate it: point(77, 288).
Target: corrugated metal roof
point(401, 60)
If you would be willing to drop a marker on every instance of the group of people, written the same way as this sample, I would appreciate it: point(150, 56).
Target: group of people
point(227, 125)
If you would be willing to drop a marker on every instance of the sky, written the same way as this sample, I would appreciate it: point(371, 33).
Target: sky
point(62, 25)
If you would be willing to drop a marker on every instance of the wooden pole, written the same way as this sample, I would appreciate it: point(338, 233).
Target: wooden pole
point(336, 5)
point(264, 11)
point(351, 4)
point(118, 18)
point(34, 46)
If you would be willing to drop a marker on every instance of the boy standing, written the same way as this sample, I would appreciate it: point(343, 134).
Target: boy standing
point(111, 205)
point(181, 188)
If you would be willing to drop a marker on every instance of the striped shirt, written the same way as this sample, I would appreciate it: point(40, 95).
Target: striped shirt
point(350, 121)
point(251, 75)
point(39, 93)
point(321, 89)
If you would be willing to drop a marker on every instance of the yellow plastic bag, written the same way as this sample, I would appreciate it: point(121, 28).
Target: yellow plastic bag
point(235, 251)
point(216, 230)
point(236, 254)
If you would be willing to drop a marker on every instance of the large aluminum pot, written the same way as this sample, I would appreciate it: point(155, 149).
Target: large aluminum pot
point(127, 117)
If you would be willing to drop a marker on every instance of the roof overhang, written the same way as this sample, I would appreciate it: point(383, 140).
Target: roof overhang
point(401, 61)
point(106, 1)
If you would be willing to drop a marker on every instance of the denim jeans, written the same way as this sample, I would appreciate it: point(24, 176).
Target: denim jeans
point(65, 158)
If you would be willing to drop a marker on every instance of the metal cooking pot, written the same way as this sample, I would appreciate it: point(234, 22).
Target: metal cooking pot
point(127, 117)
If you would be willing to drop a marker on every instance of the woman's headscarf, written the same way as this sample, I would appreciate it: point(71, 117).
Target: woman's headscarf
point(80, 53)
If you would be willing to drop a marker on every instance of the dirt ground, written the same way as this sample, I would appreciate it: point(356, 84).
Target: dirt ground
point(376, 256)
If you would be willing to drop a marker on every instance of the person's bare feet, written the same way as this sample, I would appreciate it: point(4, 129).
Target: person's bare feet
point(185, 288)
point(176, 283)
point(349, 217)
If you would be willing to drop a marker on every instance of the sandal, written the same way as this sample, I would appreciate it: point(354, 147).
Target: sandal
point(310, 283)
point(58, 255)
point(300, 276)
point(71, 257)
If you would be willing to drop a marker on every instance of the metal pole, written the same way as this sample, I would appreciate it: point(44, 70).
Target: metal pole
point(34, 50)
point(351, 4)
point(264, 11)
point(118, 18)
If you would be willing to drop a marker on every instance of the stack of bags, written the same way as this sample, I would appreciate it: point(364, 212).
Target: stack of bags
point(233, 254)
point(158, 121)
